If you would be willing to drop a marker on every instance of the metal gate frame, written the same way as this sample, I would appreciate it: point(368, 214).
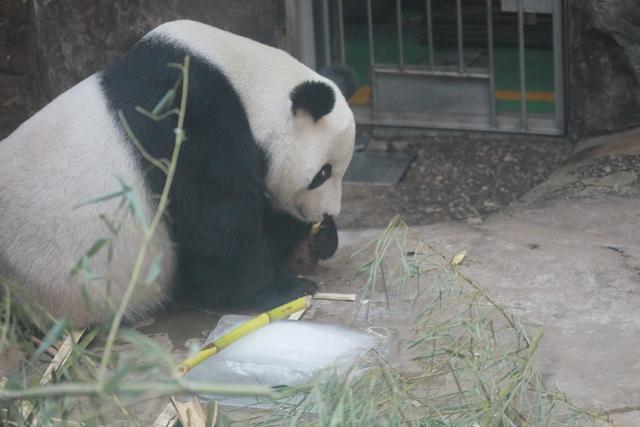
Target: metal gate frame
point(487, 121)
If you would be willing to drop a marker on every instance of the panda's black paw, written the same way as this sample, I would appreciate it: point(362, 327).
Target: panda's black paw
point(324, 243)
point(284, 290)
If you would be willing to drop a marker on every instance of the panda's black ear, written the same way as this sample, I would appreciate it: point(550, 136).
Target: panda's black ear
point(316, 98)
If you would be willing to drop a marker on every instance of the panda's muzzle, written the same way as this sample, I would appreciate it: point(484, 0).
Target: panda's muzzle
point(306, 218)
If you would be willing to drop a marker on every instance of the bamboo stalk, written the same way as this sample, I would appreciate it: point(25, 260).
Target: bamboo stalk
point(145, 389)
point(149, 232)
point(169, 416)
point(335, 296)
point(50, 351)
point(242, 330)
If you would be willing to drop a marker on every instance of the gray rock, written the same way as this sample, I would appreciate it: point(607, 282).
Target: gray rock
point(604, 66)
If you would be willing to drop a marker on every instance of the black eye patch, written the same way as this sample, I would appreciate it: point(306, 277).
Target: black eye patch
point(322, 175)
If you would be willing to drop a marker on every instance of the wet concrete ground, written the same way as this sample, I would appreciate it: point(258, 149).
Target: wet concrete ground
point(566, 257)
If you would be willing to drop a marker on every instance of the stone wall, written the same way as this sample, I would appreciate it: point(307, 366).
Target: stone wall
point(49, 45)
point(603, 66)
point(17, 78)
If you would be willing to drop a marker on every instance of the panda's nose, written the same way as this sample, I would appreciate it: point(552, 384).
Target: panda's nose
point(334, 211)
point(332, 202)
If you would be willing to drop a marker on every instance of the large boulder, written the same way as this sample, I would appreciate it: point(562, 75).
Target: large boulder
point(604, 66)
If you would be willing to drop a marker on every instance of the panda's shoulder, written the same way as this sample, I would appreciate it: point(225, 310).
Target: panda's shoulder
point(221, 48)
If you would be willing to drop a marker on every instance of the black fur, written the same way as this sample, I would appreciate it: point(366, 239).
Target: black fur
point(325, 243)
point(229, 242)
point(316, 98)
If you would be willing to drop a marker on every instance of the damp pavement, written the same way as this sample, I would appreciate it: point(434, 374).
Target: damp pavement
point(565, 256)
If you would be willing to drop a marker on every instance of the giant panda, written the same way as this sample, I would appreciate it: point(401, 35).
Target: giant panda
point(268, 142)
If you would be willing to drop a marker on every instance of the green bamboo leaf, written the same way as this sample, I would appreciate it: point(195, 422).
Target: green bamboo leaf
point(134, 203)
point(97, 245)
point(100, 199)
point(82, 266)
point(164, 104)
point(154, 270)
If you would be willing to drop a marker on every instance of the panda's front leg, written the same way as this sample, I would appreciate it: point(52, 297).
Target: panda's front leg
point(297, 246)
point(285, 235)
point(233, 263)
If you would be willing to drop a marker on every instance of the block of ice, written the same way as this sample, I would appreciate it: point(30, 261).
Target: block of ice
point(282, 353)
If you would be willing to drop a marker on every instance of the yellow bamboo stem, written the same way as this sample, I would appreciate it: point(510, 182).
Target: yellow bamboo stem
point(242, 330)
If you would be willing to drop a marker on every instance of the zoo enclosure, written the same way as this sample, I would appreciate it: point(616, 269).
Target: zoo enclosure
point(487, 65)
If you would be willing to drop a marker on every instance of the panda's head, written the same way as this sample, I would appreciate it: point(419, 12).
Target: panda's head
point(310, 151)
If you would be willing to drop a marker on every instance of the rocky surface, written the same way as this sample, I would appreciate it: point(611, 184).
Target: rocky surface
point(48, 46)
point(572, 267)
point(604, 66)
point(566, 257)
point(455, 178)
point(76, 38)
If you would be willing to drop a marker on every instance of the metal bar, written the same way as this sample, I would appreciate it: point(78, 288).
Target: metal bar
point(430, 34)
point(558, 63)
point(372, 61)
point(343, 53)
point(306, 34)
point(460, 36)
point(326, 29)
point(544, 127)
point(400, 36)
point(493, 121)
point(523, 88)
point(410, 72)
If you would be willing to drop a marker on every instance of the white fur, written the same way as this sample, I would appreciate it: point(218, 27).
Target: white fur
point(67, 154)
point(264, 77)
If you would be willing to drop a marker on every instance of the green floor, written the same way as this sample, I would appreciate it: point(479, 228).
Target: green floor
point(538, 63)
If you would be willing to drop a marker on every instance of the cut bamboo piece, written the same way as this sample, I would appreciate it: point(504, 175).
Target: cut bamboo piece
point(297, 315)
point(335, 296)
point(242, 330)
point(192, 413)
point(168, 417)
point(315, 229)
point(61, 356)
point(170, 414)
point(51, 351)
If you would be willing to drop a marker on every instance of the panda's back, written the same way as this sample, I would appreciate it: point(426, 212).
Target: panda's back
point(261, 75)
point(74, 150)
point(68, 153)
